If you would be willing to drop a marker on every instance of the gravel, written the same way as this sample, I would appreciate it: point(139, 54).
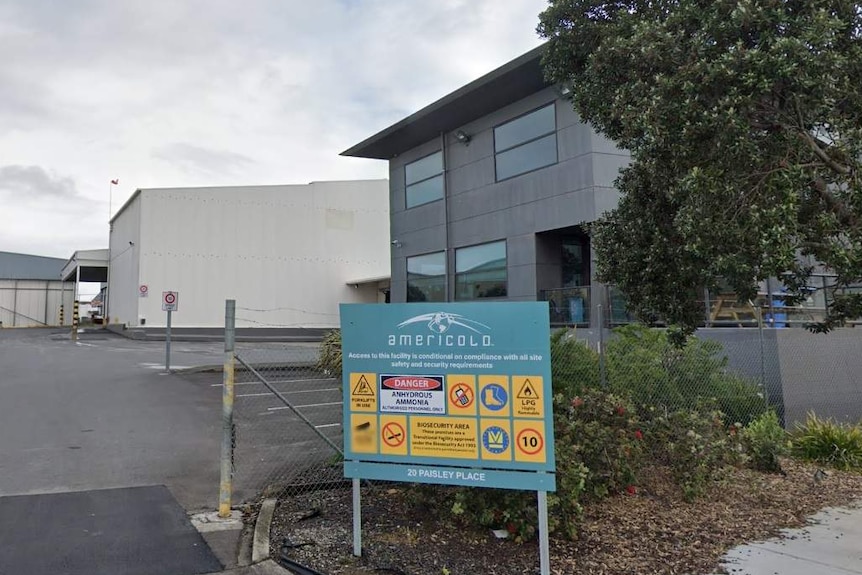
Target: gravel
point(652, 532)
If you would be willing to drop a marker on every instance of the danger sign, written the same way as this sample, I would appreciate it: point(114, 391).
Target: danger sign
point(170, 301)
point(412, 394)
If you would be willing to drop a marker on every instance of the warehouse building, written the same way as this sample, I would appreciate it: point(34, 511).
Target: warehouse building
point(288, 254)
point(31, 291)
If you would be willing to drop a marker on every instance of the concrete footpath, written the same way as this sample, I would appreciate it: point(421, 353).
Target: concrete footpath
point(830, 545)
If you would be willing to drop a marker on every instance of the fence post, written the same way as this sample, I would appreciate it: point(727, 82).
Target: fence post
point(762, 356)
point(75, 318)
point(226, 484)
point(602, 371)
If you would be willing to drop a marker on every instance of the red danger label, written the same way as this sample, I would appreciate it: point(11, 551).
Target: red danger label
point(412, 382)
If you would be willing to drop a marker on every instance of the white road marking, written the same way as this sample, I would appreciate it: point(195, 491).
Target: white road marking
point(278, 381)
point(280, 407)
point(327, 425)
point(286, 392)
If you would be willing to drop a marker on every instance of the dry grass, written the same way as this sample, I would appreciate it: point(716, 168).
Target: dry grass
point(653, 532)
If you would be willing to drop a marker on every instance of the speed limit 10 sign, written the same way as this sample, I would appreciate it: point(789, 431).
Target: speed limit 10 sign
point(170, 300)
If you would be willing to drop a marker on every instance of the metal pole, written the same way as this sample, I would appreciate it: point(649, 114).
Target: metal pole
point(75, 316)
point(762, 356)
point(227, 397)
point(357, 518)
point(544, 545)
point(168, 345)
point(47, 295)
point(15, 304)
point(62, 300)
point(602, 374)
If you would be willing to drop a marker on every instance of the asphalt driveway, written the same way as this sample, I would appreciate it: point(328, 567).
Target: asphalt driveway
point(100, 414)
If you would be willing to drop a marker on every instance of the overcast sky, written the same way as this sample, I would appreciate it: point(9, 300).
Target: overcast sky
point(161, 93)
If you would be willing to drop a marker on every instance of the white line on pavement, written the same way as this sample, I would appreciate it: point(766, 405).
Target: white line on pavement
point(280, 407)
point(287, 392)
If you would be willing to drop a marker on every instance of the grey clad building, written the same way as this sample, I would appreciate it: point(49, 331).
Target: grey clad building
point(489, 187)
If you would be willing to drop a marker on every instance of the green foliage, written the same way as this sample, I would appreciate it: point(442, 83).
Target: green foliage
point(825, 441)
point(602, 432)
point(694, 444)
point(574, 366)
point(644, 364)
point(744, 121)
point(330, 353)
point(765, 441)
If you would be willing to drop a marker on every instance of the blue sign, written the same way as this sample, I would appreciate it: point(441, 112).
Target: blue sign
point(455, 393)
point(494, 397)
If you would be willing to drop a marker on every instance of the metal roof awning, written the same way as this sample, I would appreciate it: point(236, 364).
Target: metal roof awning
point(93, 266)
point(507, 84)
point(371, 280)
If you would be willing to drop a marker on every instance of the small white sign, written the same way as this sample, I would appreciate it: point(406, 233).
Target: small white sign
point(144, 290)
point(170, 300)
point(412, 394)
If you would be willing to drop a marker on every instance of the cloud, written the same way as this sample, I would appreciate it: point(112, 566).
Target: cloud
point(199, 159)
point(216, 92)
point(34, 183)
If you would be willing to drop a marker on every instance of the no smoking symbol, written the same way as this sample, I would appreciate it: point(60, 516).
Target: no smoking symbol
point(393, 434)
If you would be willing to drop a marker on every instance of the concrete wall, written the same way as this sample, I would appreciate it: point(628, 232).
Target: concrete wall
point(577, 189)
point(33, 303)
point(287, 250)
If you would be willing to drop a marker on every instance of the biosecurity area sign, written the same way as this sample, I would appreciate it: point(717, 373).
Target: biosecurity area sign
point(449, 393)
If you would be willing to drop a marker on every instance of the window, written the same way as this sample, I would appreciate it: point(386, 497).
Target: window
point(526, 143)
point(424, 180)
point(426, 277)
point(480, 271)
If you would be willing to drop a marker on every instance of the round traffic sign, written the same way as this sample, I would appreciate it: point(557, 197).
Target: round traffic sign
point(530, 441)
point(144, 289)
point(170, 298)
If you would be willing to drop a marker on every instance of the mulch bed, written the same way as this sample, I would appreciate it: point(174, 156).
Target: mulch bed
point(652, 532)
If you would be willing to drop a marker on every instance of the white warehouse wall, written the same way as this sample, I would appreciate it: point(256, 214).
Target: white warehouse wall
point(123, 271)
point(34, 303)
point(287, 251)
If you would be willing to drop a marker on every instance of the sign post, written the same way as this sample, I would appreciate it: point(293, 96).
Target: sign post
point(456, 394)
point(170, 303)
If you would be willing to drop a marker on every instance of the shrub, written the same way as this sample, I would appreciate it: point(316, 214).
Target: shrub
point(648, 366)
point(765, 441)
point(574, 366)
point(825, 441)
point(600, 431)
point(694, 444)
point(330, 353)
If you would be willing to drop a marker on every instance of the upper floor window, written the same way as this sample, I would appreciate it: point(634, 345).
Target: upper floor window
point(480, 271)
point(424, 180)
point(426, 277)
point(526, 143)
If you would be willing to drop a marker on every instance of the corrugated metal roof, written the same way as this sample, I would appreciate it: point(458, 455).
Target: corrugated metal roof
point(26, 267)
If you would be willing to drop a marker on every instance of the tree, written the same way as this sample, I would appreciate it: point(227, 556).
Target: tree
point(744, 121)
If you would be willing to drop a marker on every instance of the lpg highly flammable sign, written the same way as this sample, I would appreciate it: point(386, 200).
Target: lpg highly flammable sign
point(449, 393)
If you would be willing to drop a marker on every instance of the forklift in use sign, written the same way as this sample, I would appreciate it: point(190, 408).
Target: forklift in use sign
point(448, 393)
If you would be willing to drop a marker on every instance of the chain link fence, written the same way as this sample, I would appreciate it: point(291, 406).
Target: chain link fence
point(287, 416)
point(287, 436)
